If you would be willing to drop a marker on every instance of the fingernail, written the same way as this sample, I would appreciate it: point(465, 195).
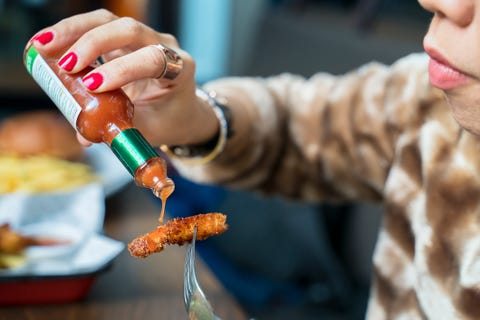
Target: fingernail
point(44, 38)
point(68, 61)
point(93, 81)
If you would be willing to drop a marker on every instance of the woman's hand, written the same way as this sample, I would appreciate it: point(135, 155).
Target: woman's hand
point(166, 110)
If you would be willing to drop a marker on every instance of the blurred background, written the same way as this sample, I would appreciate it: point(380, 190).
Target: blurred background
point(280, 259)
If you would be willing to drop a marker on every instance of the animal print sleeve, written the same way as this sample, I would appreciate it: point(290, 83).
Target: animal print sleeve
point(323, 137)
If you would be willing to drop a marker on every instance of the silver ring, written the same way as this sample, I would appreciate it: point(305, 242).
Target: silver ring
point(173, 62)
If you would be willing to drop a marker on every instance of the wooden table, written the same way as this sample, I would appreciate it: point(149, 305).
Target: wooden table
point(143, 289)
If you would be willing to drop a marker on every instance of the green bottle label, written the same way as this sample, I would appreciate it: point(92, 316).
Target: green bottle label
point(132, 149)
point(30, 58)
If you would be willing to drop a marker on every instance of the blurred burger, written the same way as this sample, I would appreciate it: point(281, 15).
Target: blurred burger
point(42, 132)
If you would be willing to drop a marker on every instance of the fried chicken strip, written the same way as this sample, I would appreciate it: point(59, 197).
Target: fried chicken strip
point(178, 231)
point(12, 242)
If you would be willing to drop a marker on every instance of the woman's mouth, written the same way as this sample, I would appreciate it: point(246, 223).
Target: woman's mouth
point(442, 74)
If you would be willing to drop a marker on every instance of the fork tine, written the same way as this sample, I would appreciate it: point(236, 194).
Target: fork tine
point(189, 270)
point(196, 303)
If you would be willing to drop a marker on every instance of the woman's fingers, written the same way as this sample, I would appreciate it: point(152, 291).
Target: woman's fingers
point(145, 63)
point(126, 34)
point(128, 48)
point(54, 39)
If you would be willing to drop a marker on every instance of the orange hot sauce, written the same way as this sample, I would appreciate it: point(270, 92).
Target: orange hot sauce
point(102, 117)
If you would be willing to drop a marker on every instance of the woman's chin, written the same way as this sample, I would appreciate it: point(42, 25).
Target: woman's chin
point(464, 103)
point(467, 114)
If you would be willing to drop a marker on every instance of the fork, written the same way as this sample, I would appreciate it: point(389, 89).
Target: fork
point(196, 304)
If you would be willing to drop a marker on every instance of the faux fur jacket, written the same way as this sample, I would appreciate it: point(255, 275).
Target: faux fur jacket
point(380, 133)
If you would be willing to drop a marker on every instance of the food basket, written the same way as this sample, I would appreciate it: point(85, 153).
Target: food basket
point(66, 271)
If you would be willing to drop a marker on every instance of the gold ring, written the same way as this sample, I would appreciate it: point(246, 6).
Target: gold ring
point(173, 62)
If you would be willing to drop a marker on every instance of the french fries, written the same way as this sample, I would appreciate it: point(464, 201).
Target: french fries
point(11, 260)
point(38, 174)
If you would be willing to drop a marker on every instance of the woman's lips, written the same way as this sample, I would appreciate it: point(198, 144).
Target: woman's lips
point(442, 74)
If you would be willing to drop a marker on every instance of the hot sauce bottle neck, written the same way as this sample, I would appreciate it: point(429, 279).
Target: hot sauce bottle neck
point(141, 160)
point(163, 189)
point(153, 175)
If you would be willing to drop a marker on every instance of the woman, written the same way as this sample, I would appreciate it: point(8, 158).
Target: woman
point(378, 133)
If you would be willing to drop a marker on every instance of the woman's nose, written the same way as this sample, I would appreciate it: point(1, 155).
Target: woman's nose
point(460, 12)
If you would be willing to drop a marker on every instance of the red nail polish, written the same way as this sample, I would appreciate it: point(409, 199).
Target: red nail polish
point(68, 61)
point(44, 38)
point(93, 81)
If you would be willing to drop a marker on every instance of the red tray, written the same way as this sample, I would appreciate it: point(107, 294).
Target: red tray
point(23, 290)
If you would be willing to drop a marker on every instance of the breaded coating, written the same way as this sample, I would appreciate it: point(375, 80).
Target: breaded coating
point(178, 231)
point(12, 242)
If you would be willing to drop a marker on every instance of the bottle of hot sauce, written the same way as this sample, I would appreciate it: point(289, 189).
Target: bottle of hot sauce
point(102, 117)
